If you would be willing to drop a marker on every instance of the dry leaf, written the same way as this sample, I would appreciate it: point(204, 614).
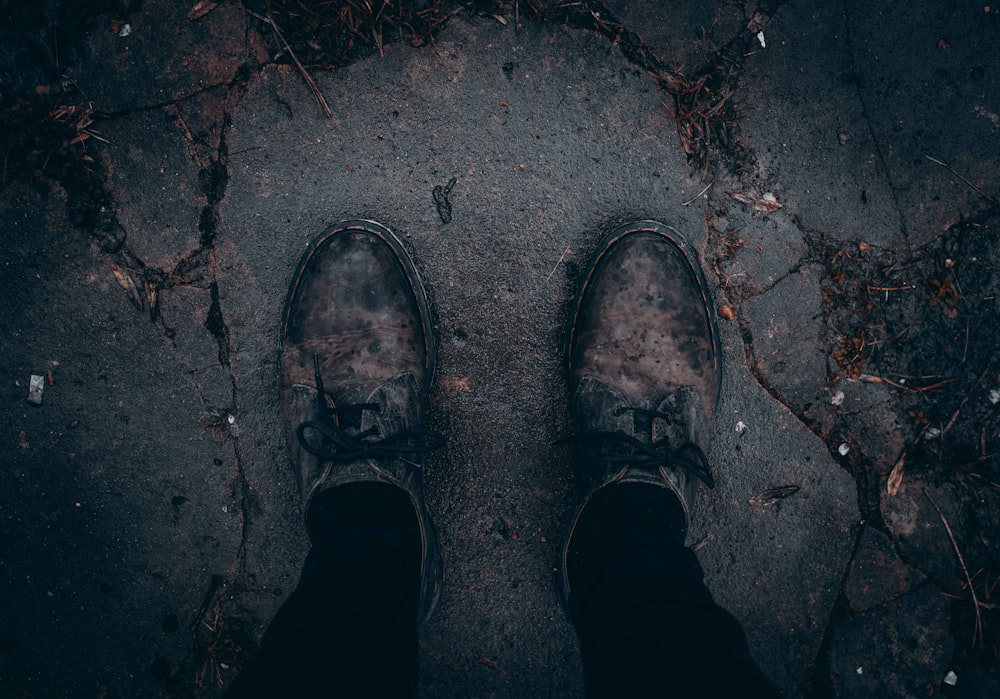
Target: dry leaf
point(765, 203)
point(200, 9)
point(772, 496)
point(896, 477)
point(126, 282)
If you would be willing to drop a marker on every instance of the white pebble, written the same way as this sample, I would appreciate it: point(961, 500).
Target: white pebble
point(844, 448)
point(951, 678)
point(36, 384)
point(838, 398)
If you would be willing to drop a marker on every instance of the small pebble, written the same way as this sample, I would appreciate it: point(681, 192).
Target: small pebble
point(844, 448)
point(951, 678)
point(837, 398)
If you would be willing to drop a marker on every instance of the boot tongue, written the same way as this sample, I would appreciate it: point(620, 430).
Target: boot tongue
point(399, 399)
point(600, 408)
point(689, 421)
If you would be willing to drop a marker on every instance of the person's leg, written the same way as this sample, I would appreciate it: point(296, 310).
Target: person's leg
point(357, 358)
point(645, 620)
point(353, 615)
point(644, 376)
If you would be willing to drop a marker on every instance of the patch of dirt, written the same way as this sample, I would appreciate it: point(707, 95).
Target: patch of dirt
point(914, 341)
point(923, 327)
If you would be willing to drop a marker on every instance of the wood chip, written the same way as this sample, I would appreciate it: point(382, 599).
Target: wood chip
point(896, 477)
point(765, 203)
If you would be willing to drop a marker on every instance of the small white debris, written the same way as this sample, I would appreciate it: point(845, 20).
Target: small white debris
point(760, 38)
point(770, 198)
point(125, 30)
point(844, 448)
point(932, 433)
point(35, 387)
point(860, 670)
point(232, 419)
point(837, 398)
point(951, 678)
point(741, 427)
point(995, 396)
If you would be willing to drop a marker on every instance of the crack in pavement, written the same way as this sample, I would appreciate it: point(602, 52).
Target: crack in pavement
point(197, 268)
point(214, 179)
point(856, 81)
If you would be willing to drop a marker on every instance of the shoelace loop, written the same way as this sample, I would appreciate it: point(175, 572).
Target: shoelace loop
point(658, 453)
point(336, 443)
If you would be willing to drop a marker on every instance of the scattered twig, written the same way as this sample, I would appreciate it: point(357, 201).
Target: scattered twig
point(696, 196)
point(954, 417)
point(977, 634)
point(302, 69)
point(559, 262)
point(950, 169)
point(905, 287)
point(869, 378)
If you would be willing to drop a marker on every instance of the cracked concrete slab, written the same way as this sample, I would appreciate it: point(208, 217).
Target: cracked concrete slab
point(154, 474)
point(809, 129)
point(866, 658)
point(777, 566)
point(115, 473)
point(877, 575)
point(155, 186)
point(954, 61)
point(156, 55)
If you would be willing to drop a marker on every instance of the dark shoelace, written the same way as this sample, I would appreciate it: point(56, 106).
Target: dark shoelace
point(629, 450)
point(337, 444)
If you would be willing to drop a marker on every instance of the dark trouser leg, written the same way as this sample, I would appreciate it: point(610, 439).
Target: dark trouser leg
point(646, 622)
point(350, 627)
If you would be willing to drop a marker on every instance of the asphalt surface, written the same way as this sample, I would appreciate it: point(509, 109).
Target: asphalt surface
point(151, 522)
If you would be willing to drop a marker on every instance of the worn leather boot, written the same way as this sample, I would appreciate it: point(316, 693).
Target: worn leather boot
point(643, 368)
point(357, 359)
